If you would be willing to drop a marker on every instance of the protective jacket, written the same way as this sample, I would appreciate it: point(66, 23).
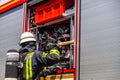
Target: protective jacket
point(34, 61)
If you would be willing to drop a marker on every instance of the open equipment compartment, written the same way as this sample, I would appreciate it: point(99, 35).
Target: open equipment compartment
point(61, 26)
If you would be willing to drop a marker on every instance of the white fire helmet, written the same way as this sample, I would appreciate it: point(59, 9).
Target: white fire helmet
point(12, 55)
point(26, 37)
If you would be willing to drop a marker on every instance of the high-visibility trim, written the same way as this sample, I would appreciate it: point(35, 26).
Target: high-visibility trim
point(30, 68)
point(55, 51)
point(27, 76)
point(30, 54)
point(10, 53)
point(44, 55)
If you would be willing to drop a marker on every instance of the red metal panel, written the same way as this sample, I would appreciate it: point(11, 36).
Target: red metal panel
point(77, 41)
point(24, 17)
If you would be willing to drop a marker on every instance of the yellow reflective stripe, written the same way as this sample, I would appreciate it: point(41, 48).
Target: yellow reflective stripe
point(44, 55)
point(30, 54)
point(29, 65)
point(55, 51)
point(30, 68)
point(27, 70)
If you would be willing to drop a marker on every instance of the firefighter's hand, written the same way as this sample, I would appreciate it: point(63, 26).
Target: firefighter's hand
point(49, 71)
point(63, 58)
point(50, 46)
point(53, 70)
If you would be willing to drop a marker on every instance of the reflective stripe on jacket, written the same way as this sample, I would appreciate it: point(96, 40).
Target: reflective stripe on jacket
point(28, 66)
point(34, 62)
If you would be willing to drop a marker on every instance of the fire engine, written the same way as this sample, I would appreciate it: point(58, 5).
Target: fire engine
point(53, 17)
point(87, 30)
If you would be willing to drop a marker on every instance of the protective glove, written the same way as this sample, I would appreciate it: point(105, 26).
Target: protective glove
point(50, 46)
point(49, 71)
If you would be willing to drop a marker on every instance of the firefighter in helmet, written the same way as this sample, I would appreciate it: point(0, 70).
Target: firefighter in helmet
point(33, 60)
point(12, 63)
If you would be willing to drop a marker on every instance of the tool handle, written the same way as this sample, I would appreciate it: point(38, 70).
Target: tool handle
point(65, 43)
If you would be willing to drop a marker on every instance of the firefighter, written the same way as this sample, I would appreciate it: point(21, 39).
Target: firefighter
point(12, 61)
point(33, 60)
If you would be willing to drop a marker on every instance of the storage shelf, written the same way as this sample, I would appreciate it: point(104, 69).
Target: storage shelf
point(52, 22)
point(67, 15)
